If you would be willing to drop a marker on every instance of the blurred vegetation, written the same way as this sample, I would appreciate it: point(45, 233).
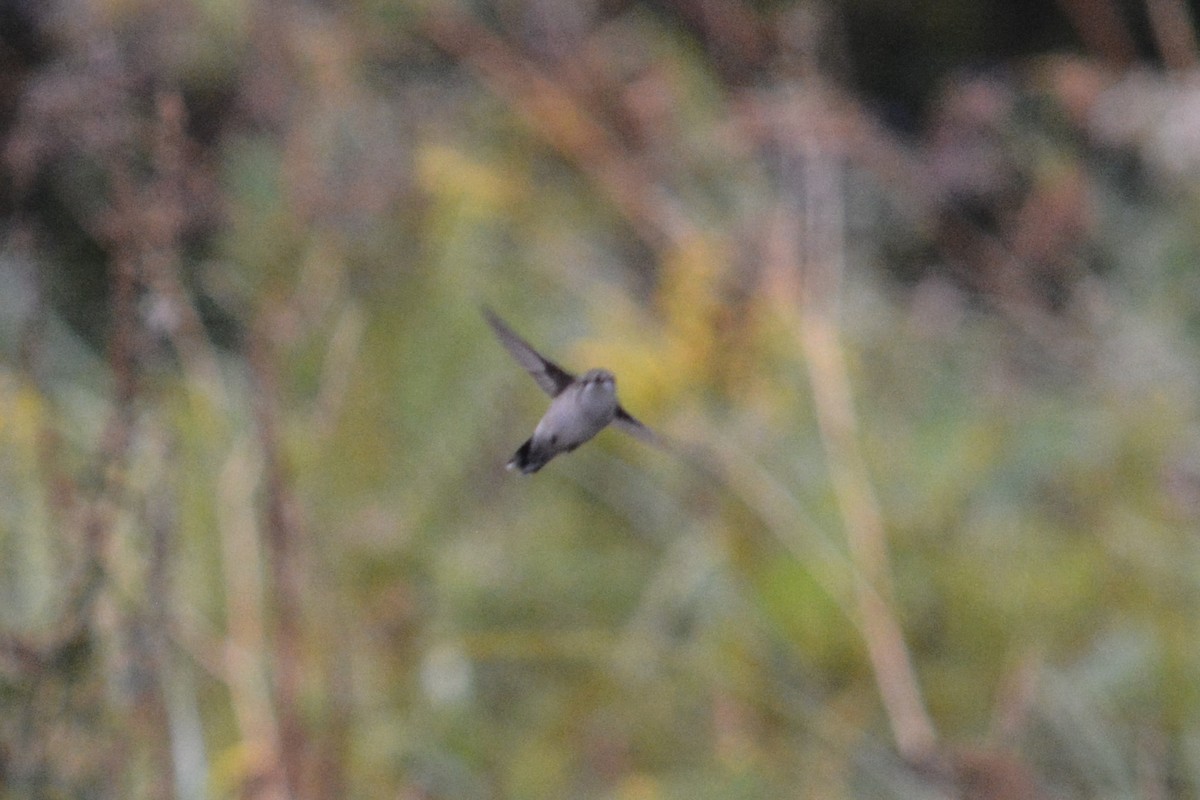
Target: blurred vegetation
point(911, 286)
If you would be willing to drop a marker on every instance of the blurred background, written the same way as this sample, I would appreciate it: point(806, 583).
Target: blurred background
point(911, 285)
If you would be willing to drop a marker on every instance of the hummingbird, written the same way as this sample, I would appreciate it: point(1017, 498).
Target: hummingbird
point(579, 407)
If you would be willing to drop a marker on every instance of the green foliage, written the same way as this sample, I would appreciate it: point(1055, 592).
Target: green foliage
point(265, 540)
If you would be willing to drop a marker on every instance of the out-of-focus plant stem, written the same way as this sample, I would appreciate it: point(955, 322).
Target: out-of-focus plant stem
point(564, 122)
point(805, 261)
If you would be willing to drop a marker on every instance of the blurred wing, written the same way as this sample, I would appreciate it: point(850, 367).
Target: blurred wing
point(550, 376)
point(625, 421)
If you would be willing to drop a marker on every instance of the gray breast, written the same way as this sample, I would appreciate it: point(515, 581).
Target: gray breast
point(576, 415)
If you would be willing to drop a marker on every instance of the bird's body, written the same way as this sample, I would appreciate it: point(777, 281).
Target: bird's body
point(579, 408)
point(578, 413)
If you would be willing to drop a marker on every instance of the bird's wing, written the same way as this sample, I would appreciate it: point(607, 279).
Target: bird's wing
point(550, 376)
point(626, 422)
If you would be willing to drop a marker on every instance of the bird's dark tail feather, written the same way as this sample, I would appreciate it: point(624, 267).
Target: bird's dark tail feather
point(524, 459)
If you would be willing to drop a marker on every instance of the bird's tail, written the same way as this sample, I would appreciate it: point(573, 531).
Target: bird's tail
point(526, 459)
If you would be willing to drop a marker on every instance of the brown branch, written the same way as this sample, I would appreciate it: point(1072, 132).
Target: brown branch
point(281, 535)
point(982, 261)
point(808, 269)
point(95, 512)
point(1175, 33)
point(1102, 28)
point(912, 727)
point(242, 650)
point(564, 122)
point(177, 316)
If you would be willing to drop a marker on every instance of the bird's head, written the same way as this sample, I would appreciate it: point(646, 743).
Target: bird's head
point(599, 379)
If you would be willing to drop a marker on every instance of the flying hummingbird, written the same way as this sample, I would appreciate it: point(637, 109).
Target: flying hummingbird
point(579, 407)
